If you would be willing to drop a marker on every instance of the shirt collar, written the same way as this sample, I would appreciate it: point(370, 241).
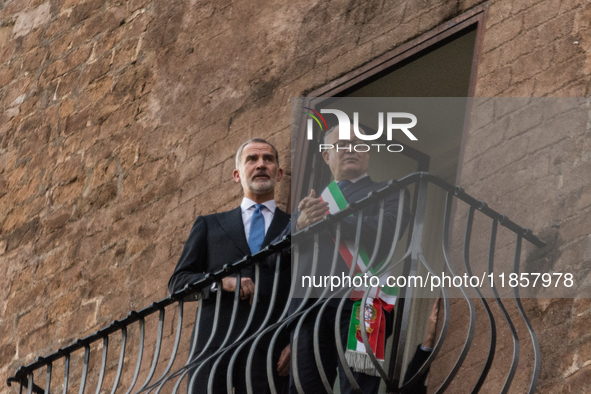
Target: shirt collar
point(247, 203)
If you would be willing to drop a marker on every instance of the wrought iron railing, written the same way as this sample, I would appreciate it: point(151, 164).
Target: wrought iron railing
point(174, 378)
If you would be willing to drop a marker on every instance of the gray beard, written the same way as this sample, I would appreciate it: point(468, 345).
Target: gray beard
point(262, 187)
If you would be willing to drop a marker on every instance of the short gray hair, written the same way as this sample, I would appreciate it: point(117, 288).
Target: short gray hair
point(260, 140)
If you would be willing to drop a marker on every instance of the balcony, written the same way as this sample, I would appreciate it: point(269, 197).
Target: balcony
point(152, 351)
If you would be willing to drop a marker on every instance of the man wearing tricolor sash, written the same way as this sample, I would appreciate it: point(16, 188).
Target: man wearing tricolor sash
point(351, 183)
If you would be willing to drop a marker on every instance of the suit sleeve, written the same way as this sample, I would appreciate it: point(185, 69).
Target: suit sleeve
point(192, 265)
point(414, 366)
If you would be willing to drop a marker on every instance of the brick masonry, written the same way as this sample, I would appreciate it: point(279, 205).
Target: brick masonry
point(119, 120)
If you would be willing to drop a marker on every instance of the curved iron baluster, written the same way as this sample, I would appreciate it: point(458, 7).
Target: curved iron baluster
point(254, 344)
point(284, 319)
point(470, 335)
point(84, 369)
point(179, 328)
point(103, 364)
point(534, 339)
point(515, 358)
point(320, 300)
point(30, 383)
point(337, 326)
point(249, 322)
point(48, 378)
point(182, 372)
point(223, 350)
point(316, 335)
point(235, 304)
point(156, 350)
point(140, 353)
point(66, 373)
point(407, 292)
point(382, 271)
point(294, 354)
point(491, 319)
point(121, 359)
point(269, 362)
point(442, 336)
point(216, 318)
point(266, 330)
point(263, 325)
point(342, 292)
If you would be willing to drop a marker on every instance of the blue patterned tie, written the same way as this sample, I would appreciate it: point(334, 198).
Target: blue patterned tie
point(257, 229)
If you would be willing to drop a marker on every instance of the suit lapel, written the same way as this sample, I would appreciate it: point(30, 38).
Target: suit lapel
point(231, 222)
point(280, 220)
point(351, 192)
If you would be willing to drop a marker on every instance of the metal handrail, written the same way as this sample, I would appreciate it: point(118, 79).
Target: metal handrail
point(232, 346)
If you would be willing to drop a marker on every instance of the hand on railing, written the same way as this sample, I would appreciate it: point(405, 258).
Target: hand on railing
point(246, 287)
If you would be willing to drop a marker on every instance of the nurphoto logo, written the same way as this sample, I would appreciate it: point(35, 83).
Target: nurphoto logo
point(392, 124)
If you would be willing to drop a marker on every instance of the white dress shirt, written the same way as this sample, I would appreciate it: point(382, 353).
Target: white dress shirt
point(268, 211)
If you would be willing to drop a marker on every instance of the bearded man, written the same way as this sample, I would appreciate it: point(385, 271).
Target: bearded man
point(224, 238)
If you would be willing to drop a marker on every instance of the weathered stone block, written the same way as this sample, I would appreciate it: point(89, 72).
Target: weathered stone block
point(540, 13)
point(31, 320)
point(84, 10)
point(30, 20)
point(75, 58)
point(531, 64)
point(100, 22)
point(7, 74)
point(20, 233)
point(579, 382)
point(22, 301)
point(79, 321)
point(37, 342)
point(502, 32)
point(102, 195)
point(76, 122)
point(68, 85)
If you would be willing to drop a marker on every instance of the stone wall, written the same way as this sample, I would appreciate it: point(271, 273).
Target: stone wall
point(536, 178)
point(119, 121)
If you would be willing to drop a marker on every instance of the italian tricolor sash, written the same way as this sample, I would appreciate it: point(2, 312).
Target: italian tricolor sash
point(380, 298)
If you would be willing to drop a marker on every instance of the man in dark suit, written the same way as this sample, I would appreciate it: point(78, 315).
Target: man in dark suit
point(224, 238)
point(349, 169)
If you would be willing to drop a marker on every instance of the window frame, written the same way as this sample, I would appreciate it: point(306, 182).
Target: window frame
point(476, 16)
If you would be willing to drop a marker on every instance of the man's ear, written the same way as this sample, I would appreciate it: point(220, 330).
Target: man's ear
point(279, 174)
point(325, 156)
point(236, 176)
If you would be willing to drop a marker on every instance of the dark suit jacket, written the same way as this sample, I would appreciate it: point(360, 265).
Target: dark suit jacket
point(216, 240)
point(414, 365)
